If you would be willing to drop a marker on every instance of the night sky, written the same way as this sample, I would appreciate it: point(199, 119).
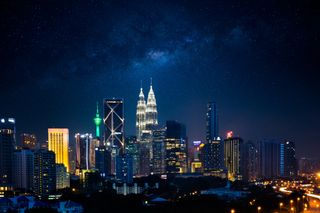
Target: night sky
point(258, 60)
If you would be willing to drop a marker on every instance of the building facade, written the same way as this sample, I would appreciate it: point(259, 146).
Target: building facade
point(232, 157)
point(23, 169)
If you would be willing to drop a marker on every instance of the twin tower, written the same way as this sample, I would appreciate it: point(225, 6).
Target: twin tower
point(147, 114)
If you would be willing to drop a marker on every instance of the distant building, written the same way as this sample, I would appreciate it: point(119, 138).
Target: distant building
point(145, 154)
point(103, 159)
point(23, 169)
point(158, 152)
point(232, 157)
point(308, 166)
point(85, 152)
point(212, 132)
point(124, 172)
point(58, 140)
point(28, 141)
point(132, 148)
point(7, 144)
point(44, 181)
point(213, 156)
point(250, 161)
point(176, 147)
point(269, 159)
point(141, 115)
point(288, 162)
point(97, 121)
point(62, 177)
point(114, 128)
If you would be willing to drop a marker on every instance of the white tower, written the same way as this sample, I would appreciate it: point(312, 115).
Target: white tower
point(141, 115)
point(151, 111)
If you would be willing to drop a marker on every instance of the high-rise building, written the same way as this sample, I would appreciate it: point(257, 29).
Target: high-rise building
point(28, 141)
point(97, 121)
point(158, 152)
point(145, 154)
point(124, 171)
point(213, 156)
point(58, 140)
point(151, 111)
point(113, 120)
point(7, 144)
point(288, 162)
point(232, 157)
point(23, 169)
point(44, 181)
point(141, 115)
point(250, 161)
point(176, 147)
point(132, 148)
point(269, 159)
point(62, 177)
point(85, 151)
point(103, 159)
point(212, 132)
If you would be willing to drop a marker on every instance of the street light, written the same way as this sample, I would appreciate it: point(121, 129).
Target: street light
point(259, 209)
point(280, 205)
point(291, 202)
point(233, 211)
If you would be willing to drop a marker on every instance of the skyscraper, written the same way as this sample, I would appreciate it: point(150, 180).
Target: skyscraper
point(23, 169)
point(97, 121)
point(158, 150)
point(232, 157)
point(132, 148)
point(62, 177)
point(151, 110)
point(7, 143)
point(212, 132)
point(44, 181)
point(176, 147)
point(140, 115)
point(288, 162)
point(58, 140)
point(250, 161)
point(213, 156)
point(269, 159)
point(85, 152)
point(124, 171)
point(114, 122)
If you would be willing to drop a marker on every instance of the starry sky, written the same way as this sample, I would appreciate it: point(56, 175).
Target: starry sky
point(257, 59)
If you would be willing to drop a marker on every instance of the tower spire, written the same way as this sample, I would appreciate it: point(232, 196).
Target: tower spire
point(97, 121)
point(151, 111)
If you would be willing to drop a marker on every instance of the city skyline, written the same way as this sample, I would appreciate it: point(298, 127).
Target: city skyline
point(261, 75)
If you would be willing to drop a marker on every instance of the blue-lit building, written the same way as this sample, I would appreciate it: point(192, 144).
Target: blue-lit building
point(269, 160)
point(212, 132)
point(124, 171)
point(288, 162)
point(7, 144)
point(23, 169)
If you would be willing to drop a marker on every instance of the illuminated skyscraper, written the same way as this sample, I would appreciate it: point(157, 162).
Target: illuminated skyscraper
point(85, 152)
point(23, 169)
point(176, 147)
point(250, 161)
point(97, 121)
point(58, 141)
point(212, 122)
point(7, 143)
point(158, 149)
point(151, 110)
point(213, 156)
point(288, 162)
point(114, 122)
point(269, 162)
point(232, 157)
point(140, 115)
point(44, 181)
point(62, 177)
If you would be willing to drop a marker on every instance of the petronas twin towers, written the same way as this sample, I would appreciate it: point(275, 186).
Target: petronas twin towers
point(147, 114)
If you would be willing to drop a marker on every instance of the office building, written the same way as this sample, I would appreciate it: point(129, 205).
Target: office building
point(269, 159)
point(124, 172)
point(85, 152)
point(103, 159)
point(158, 151)
point(62, 177)
point(145, 154)
point(232, 157)
point(176, 147)
point(7, 144)
point(212, 153)
point(58, 142)
point(250, 161)
point(288, 162)
point(212, 129)
point(23, 169)
point(44, 181)
point(132, 148)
